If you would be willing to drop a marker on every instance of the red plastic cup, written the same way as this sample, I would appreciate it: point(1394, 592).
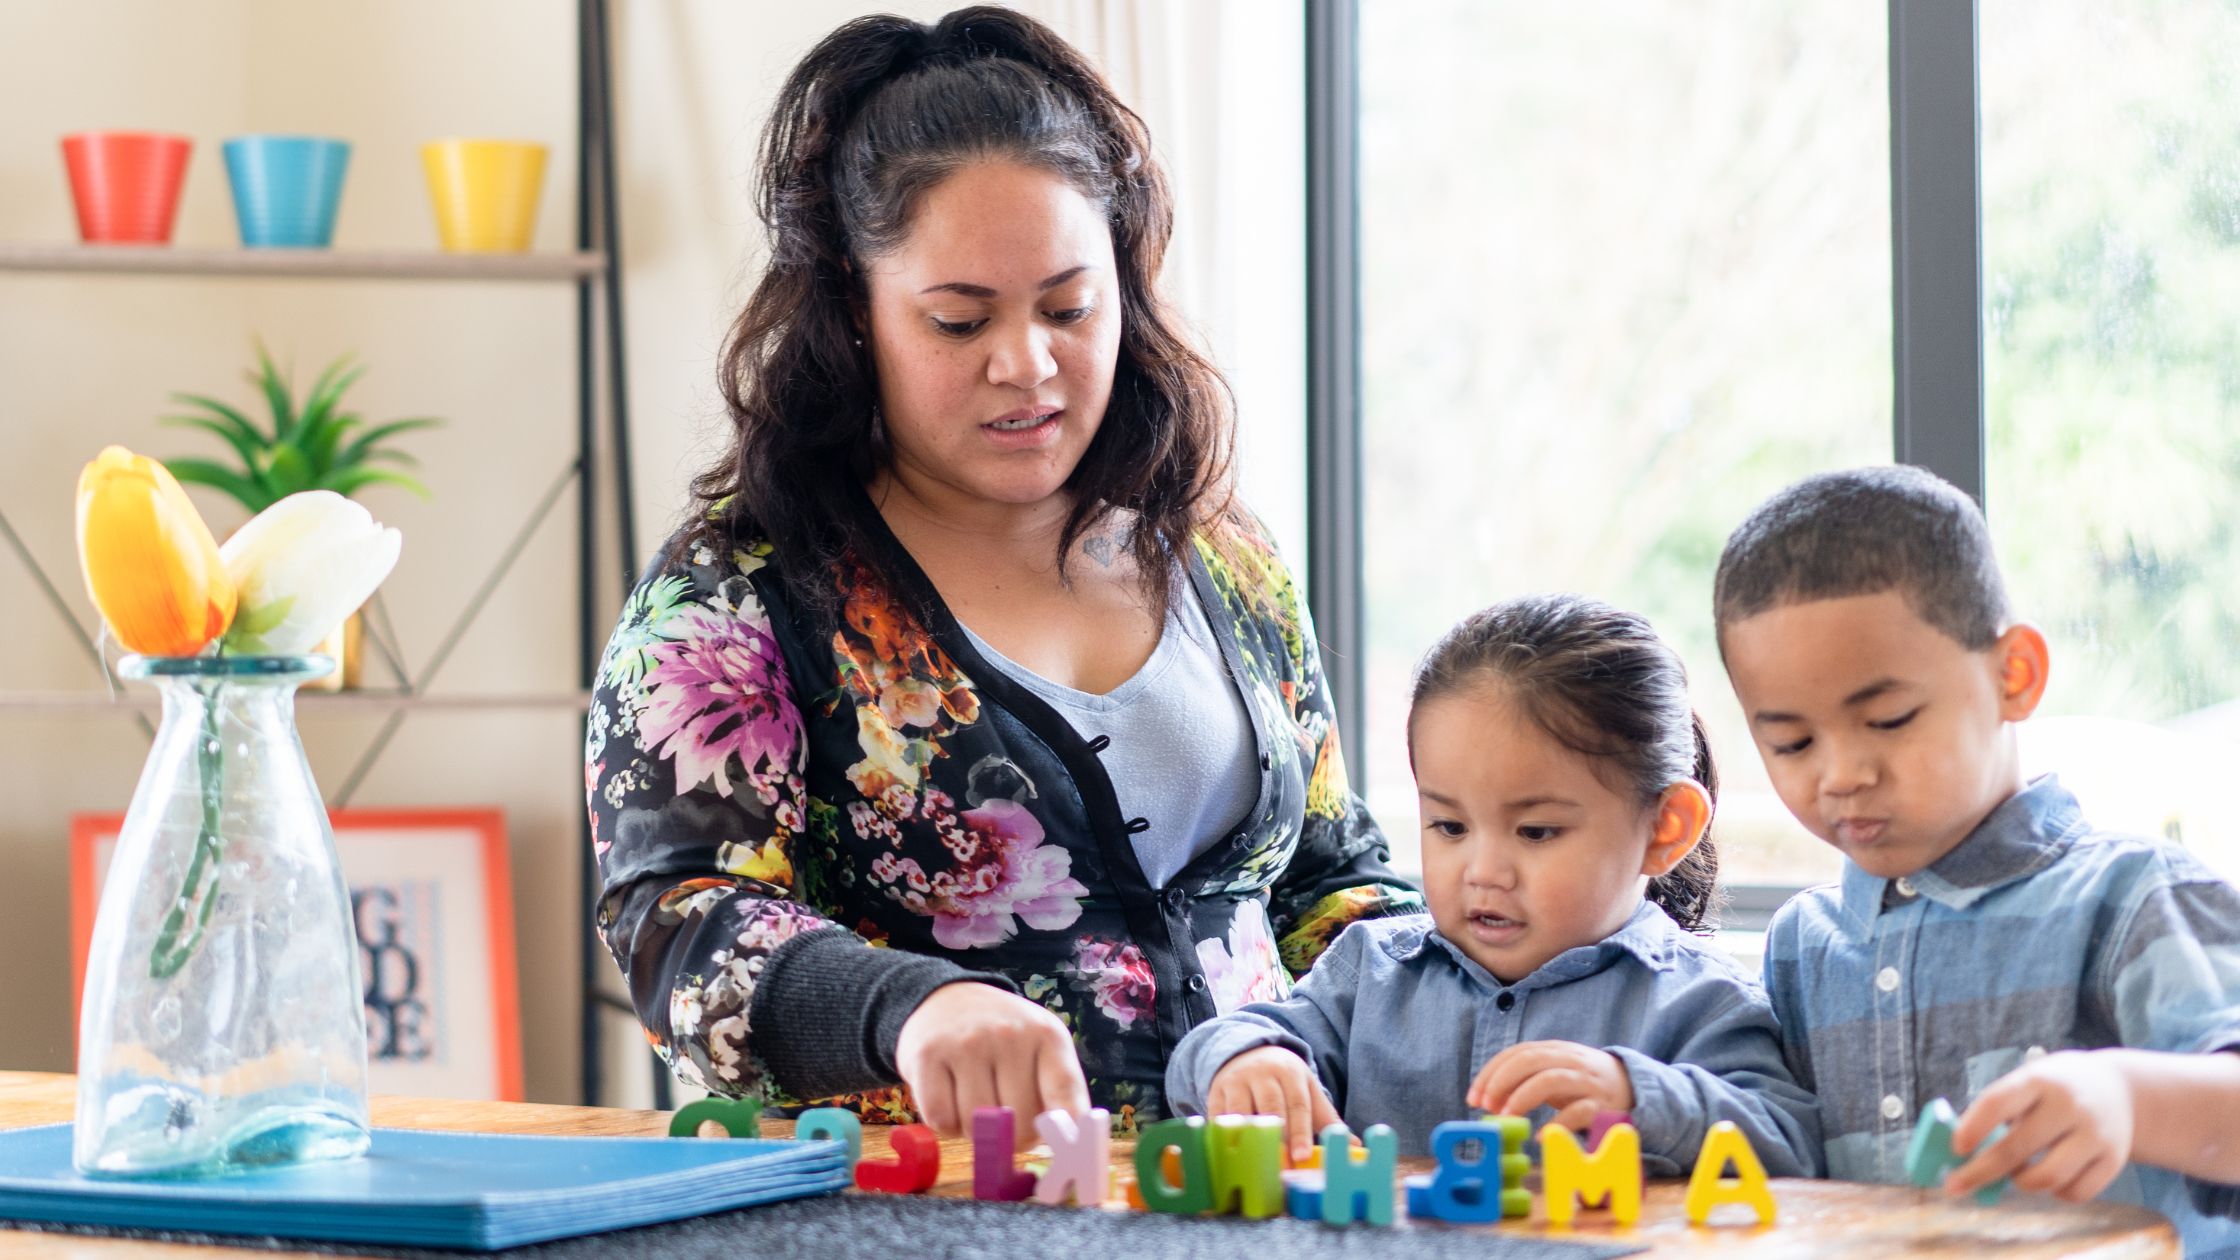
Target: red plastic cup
point(126, 183)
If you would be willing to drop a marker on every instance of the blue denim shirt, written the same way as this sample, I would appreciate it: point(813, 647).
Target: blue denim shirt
point(1396, 1020)
point(2037, 933)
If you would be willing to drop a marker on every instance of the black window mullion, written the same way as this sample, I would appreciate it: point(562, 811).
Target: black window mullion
point(1936, 240)
point(1334, 360)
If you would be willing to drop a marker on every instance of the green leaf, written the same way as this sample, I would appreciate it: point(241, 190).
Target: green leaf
point(275, 388)
point(288, 471)
point(362, 450)
point(315, 426)
point(349, 481)
point(250, 625)
point(338, 377)
point(321, 447)
point(218, 477)
point(245, 447)
point(228, 414)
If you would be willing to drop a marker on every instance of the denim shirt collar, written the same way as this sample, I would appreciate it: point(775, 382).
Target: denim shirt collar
point(2021, 837)
point(1648, 935)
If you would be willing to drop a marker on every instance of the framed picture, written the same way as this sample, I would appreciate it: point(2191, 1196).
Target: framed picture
point(432, 895)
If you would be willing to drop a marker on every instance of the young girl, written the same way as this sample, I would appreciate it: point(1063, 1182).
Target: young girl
point(1566, 792)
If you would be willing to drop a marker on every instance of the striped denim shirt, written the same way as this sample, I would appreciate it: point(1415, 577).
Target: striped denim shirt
point(2035, 934)
point(1395, 1020)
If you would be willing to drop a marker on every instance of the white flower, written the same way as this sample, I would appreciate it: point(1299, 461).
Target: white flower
point(684, 1012)
point(302, 566)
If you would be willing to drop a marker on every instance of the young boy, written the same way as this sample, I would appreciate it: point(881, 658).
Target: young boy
point(1986, 945)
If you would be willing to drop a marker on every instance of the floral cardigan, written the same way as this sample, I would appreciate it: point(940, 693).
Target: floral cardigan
point(753, 778)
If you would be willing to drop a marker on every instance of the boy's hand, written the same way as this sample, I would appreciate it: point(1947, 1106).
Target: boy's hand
point(1576, 1080)
point(1272, 1081)
point(2071, 1113)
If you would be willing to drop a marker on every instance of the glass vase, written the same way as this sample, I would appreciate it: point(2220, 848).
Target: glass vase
point(223, 1022)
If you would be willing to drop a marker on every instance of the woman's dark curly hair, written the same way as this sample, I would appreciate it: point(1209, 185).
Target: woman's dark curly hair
point(876, 116)
point(1602, 683)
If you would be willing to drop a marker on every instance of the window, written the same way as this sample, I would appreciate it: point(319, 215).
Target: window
point(2111, 234)
point(1625, 270)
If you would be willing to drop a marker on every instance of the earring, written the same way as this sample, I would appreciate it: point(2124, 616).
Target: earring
point(859, 343)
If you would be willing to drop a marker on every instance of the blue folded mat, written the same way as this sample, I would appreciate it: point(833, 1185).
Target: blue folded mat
point(426, 1189)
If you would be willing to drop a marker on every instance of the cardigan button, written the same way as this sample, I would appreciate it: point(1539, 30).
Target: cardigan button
point(1178, 897)
point(1267, 761)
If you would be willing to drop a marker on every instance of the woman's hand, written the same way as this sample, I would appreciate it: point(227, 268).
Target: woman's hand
point(1576, 1080)
point(971, 1045)
point(1272, 1081)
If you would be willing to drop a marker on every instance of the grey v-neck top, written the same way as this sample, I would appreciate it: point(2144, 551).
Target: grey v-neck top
point(1181, 755)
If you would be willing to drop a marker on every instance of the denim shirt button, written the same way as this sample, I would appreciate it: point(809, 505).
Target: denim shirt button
point(1506, 1000)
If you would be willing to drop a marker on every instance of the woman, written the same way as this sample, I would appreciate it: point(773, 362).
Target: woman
point(968, 654)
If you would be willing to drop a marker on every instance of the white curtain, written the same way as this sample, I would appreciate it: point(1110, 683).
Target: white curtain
point(1221, 84)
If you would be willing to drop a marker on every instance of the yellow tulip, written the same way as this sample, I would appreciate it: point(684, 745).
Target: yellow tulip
point(150, 562)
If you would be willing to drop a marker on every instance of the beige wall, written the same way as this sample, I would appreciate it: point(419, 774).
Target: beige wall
point(89, 360)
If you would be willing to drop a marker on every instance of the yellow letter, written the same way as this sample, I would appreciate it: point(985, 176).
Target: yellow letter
point(1611, 1176)
point(1709, 1188)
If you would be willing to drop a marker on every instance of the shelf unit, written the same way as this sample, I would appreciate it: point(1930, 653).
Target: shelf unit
point(593, 269)
point(361, 264)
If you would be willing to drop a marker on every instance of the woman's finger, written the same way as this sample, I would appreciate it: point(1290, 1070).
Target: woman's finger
point(1058, 1072)
point(976, 1088)
point(936, 1095)
point(1018, 1087)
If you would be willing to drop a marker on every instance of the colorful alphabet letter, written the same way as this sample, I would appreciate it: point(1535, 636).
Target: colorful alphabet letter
point(1709, 1187)
point(916, 1164)
point(1487, 1188)
point(740, 1117)
point(832, 1122)
point(1610, 1176)
point(994, 1176)
point(1930, 1156)
point(1080, 1158)
point(1244, 1154)
point(1358, 1188)
point(1603, 1122)
point(1192, 1191)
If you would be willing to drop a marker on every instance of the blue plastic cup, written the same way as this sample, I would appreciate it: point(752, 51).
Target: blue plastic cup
point(286, 188)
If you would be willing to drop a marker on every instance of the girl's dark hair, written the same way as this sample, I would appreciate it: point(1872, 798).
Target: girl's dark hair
point(877, 115)
point(1602, 683)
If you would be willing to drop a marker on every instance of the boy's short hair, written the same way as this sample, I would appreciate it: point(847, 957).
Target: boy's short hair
point(1861, 532)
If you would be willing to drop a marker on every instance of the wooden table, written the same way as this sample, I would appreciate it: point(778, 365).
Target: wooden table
point(1817, 1218)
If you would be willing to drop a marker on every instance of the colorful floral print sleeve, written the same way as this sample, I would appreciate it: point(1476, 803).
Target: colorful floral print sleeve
point(805, 825)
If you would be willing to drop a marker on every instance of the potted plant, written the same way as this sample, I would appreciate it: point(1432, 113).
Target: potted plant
point(311, 444)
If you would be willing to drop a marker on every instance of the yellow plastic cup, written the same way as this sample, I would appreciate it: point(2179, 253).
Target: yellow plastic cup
point(485, 193)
